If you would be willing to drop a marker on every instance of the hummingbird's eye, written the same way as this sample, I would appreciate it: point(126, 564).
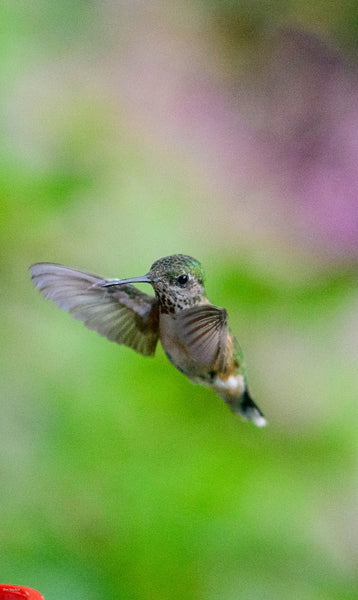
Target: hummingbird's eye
point(182, 279)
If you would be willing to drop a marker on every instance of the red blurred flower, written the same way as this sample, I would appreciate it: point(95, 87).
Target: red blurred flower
point(18, 592)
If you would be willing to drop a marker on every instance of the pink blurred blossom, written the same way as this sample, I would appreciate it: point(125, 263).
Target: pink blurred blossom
point(293, 133)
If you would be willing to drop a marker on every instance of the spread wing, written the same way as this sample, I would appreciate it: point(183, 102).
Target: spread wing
point(122, 314)
point(203, 331)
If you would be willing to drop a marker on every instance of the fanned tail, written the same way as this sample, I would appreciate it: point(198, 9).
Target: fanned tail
point(249, 410)
point(246, 407)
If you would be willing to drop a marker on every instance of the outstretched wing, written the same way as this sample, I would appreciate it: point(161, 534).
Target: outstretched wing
point(203, 331)
point(122, 314)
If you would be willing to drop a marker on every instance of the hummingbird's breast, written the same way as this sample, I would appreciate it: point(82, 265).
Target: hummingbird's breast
point(172, 346)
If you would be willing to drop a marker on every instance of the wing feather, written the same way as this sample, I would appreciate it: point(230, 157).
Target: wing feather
point(122, 314)
point(203, 332)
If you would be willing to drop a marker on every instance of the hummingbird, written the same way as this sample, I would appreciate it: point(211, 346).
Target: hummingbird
point(193, 332)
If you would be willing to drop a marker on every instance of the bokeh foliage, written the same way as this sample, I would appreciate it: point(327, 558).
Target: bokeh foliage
point(119, 478)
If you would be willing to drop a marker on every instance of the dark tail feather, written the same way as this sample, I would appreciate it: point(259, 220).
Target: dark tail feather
point(249, 410)
point(245, 406)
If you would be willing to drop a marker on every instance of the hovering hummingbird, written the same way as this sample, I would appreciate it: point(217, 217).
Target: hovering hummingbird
point(194, 333)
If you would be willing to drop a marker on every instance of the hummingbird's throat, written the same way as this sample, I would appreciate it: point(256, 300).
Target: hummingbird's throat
point(171, 303)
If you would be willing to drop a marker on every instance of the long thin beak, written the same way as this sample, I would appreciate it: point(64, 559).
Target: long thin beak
point(143, 279)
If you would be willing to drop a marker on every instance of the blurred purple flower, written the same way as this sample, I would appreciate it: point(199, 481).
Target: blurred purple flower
point(313, 104)
point(294, 133)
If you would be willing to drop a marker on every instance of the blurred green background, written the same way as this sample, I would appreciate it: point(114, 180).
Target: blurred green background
point(227, 131)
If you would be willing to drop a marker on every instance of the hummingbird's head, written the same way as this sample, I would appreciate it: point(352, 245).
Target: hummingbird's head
point(178, 281)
